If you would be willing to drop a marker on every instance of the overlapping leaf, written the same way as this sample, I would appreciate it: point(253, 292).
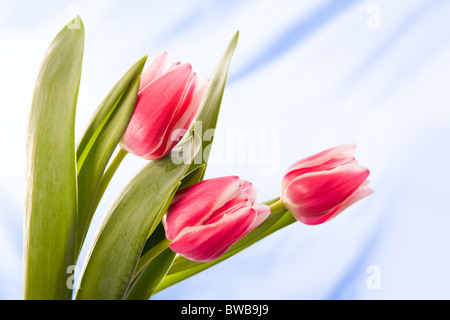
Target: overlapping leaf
point(99, 141)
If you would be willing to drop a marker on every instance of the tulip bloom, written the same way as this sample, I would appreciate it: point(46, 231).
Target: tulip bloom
point(168, 99)
point(318, 188)
point(207, 218)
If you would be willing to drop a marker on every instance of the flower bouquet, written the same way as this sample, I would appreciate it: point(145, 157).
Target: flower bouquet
point(168, 223)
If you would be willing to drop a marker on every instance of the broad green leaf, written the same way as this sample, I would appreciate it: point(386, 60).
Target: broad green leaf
point(99, 141)
point(137, 211)
point(51, 195)
point(183, 268)
point(206, 119)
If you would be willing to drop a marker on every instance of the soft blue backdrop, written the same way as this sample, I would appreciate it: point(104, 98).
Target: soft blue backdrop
point(310, 74)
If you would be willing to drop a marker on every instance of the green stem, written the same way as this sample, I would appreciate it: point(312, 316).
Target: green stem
point(145, 259)
point(279, 205)
point(107, 176)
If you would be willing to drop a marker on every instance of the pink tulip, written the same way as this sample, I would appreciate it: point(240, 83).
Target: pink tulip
point(318, 188)
point(207, 218)
point(168, 99)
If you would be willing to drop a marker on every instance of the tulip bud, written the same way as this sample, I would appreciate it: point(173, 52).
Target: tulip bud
point(318, 188)
point(168, 99)
point(207, 218)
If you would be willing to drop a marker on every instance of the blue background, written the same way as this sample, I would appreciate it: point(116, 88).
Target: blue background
point(314, 74)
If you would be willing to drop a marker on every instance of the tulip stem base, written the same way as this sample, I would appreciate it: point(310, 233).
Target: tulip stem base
point(279, 205)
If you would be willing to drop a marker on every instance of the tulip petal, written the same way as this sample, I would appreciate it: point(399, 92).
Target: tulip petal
point(154, 111)
point(181, 119)
point(249, 189)
point(193, 205)
point(159, 65)
point(262, 212)
point(325, 160)
point(208, 242)
point(189, 106)
point(355, 197)
point(230, 207)
point(314, 194)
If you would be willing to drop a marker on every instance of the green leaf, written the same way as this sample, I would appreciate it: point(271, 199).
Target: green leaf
point(193, 177)
point(104, 111)
point(183, 268)
point(99, 141)
point(133, 217)
point(206, 119)
point(51, 195)
point(145, 282)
